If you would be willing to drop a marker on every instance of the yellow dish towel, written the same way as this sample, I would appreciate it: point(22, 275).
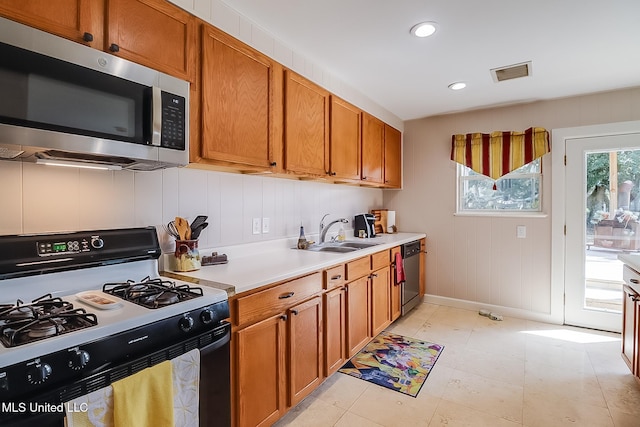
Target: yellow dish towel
point(144, 399)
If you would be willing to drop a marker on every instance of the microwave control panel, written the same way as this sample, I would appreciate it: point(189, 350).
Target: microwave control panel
point(173, 121)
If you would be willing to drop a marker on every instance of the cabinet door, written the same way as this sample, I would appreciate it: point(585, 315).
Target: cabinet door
point(306, 130)
point(392, 157)
point(372, 149)
point(380, 300)
point(345, 140)
point(358, 332)
point(154, 33)
point(423, 268)
point(630, 329)
point(260, 372)
point(396, 302)
point(70, 19)
point(334, 330)
point(237, 87)
point(305, 349)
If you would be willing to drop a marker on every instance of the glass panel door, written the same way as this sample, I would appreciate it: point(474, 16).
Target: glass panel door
point(603, 206)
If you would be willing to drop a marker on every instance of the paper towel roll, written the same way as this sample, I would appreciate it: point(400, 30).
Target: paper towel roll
point(391, 221)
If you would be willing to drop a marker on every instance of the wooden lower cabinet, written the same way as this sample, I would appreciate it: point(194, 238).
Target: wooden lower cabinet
point(278, 363)
point(630, 318)
point(260, 372)
point(305, 349)
point(335, 323)
point(380, 300)
point(358, 324)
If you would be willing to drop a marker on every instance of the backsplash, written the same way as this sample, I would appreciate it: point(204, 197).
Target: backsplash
point(39, 198)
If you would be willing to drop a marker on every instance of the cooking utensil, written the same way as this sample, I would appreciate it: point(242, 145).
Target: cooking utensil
point(195, 233)
point(200, 219)
point(183, 229)
point(170, 228)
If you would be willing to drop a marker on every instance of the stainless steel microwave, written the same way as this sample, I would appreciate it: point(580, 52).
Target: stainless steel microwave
point(67, 104)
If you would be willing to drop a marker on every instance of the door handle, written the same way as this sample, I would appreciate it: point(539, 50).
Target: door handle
point(634, 281)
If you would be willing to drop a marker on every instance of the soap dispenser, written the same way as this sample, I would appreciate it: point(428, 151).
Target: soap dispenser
point(302, 241)
point(341, 235)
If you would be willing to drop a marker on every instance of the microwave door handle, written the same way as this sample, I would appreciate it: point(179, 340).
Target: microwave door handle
point(156, 112)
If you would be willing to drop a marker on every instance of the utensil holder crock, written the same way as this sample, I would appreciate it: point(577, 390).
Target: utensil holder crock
point(186, 256)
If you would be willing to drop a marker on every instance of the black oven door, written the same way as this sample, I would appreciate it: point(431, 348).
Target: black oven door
point(214, 394)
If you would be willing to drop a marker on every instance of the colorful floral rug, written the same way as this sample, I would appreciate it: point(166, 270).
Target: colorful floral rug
point(394, 361)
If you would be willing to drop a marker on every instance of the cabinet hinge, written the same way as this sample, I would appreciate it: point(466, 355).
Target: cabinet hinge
point(565, 229)
point(565, 160)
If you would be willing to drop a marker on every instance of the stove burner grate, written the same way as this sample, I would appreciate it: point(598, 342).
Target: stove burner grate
point(152, 293)
point(44, 317)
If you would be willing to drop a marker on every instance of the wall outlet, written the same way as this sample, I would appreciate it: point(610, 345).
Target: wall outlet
point(521, 231)
point(265, 225)
point(256, 226)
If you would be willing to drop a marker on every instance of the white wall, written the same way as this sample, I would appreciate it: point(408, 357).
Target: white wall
point(479, 259)
point(39, 198)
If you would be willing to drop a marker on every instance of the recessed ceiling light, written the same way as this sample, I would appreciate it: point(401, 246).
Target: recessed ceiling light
point(457, 85)
point(424, 29)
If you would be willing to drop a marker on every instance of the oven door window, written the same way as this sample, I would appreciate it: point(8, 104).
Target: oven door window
point(46, 93)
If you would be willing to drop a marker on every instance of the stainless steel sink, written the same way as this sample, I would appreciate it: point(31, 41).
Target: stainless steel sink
point(340, 247)
point(323, 248)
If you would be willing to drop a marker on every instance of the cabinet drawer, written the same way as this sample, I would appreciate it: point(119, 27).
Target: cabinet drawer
point(277, 299)
point(334, 277)
point(380, 259)
point(358, 268)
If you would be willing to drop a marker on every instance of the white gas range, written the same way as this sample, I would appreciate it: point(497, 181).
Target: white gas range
point(81, 310)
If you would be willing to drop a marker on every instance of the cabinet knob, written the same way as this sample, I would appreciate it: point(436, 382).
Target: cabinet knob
point(273, 164)
point(114, 47)
point(338, 277)
point(634, 281)
point(364, 178)
point(88, 37)
point(283, 317)
point(294, 312)
point(372, 275)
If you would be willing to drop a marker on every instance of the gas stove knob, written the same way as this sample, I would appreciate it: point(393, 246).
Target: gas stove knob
point(186, 323)
point(38, 373)
point(97, 242)
point(79, 360)
point(206, 316)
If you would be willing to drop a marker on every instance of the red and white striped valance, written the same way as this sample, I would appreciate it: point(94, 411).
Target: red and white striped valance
point(499, 153)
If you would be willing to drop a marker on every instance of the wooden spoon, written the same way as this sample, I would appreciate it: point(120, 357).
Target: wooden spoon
point(182, 226)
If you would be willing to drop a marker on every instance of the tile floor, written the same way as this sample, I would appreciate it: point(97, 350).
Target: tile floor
point(510, 373)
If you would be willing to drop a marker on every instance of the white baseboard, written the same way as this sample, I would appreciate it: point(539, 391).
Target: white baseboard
point(505, 311)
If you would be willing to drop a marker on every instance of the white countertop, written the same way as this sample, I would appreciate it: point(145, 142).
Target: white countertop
point(251, 266)
point(632, 260)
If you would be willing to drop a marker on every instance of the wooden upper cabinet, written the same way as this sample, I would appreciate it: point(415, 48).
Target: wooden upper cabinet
point(154, 33)
point(237, 90)
point(372, 149)
point(77, 20)
point(392, 157)
point(306, 126)
point(345, 140)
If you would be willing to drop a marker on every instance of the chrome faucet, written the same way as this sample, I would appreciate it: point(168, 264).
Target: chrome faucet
point(323, 229)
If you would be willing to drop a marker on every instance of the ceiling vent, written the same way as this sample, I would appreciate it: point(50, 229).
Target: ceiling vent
point(510, 72)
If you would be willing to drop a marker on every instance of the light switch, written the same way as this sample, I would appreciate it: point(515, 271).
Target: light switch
point(265, 225)
point(256, 226)
point(521, 231)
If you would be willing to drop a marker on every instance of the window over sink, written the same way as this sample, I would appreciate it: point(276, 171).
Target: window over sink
point(517, 192)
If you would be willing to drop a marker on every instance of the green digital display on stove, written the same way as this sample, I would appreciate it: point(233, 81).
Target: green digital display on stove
point(59, 247)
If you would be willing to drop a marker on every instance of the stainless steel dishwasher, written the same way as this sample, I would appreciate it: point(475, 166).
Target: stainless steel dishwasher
point(411, 286)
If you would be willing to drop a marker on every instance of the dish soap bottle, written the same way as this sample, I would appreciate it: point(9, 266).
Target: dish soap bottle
point(302, 241)
point(341, 235)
